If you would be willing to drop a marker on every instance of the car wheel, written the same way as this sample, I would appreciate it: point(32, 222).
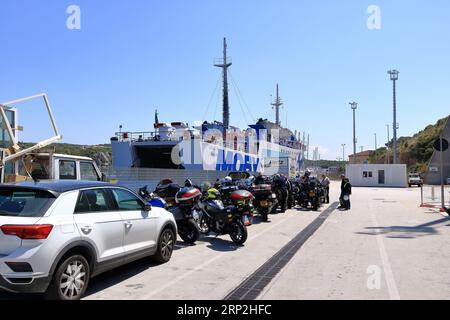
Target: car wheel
point(165, 246)
point(70, 280)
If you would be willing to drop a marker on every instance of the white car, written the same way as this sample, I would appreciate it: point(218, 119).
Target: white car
point(56, 235)
point(414, 179)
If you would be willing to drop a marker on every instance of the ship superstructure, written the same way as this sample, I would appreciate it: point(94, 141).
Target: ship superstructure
point(212, 146)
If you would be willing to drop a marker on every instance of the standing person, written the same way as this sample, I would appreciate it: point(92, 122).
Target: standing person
point(341, 197)
point(326, 185)
point(347, 191)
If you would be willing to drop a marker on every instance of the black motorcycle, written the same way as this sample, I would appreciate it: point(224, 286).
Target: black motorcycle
point(294, 189)
point(223, 220)
point(280, 188)
point(309, 195)
point(185, 212)
point(183, 204)
point(265, 200)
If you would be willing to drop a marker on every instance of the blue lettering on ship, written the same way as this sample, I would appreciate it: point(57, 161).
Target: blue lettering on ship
point(231, 161)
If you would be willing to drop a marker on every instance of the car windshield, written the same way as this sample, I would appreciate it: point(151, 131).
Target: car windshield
point(24, 203)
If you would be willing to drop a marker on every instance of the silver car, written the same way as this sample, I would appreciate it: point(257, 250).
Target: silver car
point(55, 236)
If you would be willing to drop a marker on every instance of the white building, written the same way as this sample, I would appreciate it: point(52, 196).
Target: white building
point(377, 175)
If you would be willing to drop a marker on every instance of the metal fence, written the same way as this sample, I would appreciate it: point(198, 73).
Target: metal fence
point(431, 196)
point(135, 178)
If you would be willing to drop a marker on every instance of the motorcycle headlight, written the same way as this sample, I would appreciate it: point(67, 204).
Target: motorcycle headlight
point(274, 196)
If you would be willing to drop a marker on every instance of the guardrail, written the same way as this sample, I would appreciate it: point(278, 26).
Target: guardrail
point(431, 196)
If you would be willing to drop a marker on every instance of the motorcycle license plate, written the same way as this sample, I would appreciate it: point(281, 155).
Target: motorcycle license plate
point(264, 203)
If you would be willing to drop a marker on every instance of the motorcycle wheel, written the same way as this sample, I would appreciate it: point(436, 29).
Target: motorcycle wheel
point(189, 232)
point(203, 226)
point(284, 206)
point(239, 234)
point(264, 214)
point(315, 205)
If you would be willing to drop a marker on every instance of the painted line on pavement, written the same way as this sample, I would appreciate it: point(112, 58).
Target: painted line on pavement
point(389, 275)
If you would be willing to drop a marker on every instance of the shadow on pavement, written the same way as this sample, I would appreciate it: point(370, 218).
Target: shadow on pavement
point(408, 232)
point(116, 276)
point(221, 245)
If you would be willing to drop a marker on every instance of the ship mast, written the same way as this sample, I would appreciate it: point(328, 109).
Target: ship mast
point(224, 64)
point(276, 105)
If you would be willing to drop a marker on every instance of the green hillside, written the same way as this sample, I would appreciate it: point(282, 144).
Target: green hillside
point(415, 151)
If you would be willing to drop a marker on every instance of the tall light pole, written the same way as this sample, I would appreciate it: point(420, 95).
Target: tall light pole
point(388, 156)
point(354, 106)
point(394, 77)
point(376, 144)
point(343, 152)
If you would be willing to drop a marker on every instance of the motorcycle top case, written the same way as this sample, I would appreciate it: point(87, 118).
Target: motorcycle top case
point(188, 196)
point(241, 196)
point(167, 190)
point(262, 190)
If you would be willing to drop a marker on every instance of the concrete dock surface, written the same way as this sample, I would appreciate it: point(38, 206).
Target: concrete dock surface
point(385, 247)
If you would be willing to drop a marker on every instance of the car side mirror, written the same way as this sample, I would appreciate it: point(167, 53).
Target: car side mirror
point(147, 208)
point(104, 177)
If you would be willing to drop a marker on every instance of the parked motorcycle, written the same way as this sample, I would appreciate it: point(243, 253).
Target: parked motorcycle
point(185, 209)
point(280, 188)
point(186, 212)
point(242, 203)
point(309, 195)
point(265, 200)
point(222, 220)
point(239, 199)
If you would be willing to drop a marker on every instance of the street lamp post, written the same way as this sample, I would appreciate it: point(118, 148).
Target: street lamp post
point(394, 77)
point(354, 106)
point(343, 152)
point(388, 156)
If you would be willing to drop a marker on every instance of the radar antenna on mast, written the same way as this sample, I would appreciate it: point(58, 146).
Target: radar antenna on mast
point(276, 105)
point(225, 64)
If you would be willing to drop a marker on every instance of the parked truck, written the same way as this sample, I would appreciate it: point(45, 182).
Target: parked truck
point(51, 166)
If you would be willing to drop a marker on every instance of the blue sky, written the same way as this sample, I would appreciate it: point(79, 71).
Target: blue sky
point(131, 57)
